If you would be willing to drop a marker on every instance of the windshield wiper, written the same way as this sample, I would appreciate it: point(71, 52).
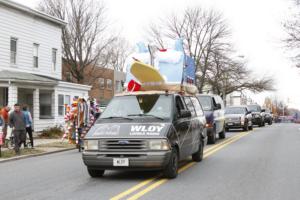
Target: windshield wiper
point(148, 115)
point(114, 117)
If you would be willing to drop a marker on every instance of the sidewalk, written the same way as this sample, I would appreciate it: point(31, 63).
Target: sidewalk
point(41, 147)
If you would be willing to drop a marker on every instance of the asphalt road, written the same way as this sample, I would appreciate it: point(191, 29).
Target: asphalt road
point(260, 164)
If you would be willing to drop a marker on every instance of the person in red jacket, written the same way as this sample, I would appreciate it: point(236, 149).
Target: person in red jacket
point(5, 117)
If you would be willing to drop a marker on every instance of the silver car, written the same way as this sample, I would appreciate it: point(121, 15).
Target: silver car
point(238, 117)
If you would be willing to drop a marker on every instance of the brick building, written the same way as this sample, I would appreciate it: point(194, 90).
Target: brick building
point(105, 82)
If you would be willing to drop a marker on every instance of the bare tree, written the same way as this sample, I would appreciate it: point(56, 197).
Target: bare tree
point(85, 39)
point(117, 53)
point(292, 41)
point(206, 38)
point(227, 75)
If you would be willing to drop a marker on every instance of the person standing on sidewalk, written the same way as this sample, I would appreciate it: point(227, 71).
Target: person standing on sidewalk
point(28, 121)
point(5, 117)
point(1, 129)
point(17, 122)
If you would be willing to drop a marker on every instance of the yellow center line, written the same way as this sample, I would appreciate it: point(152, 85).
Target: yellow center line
point(162, 181)
point(134, 188)
point(183, 168)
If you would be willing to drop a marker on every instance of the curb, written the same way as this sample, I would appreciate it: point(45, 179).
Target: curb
point(36, 155)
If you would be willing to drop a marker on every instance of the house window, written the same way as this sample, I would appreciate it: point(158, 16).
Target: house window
point(54, 51)
point(46, 105)
point(63, 100)
point(35, 55)
point(109, 84)
point(3, 97)
point(13, 51)
point(61, 105)
point(67, 100)
point(101, 83)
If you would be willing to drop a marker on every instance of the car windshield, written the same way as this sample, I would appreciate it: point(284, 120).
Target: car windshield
point(156, 106)
point(254, 108)
point(235, 110)
point(205, 102)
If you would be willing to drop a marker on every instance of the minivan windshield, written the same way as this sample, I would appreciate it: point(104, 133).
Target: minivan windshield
point(205, 102)
point(254, 108)
point(155, 106)
point(235, 110)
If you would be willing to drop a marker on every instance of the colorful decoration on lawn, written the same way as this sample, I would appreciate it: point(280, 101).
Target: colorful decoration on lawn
point(79, 118)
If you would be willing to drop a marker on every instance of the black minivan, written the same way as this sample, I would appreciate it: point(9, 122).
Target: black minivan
point(146, 130)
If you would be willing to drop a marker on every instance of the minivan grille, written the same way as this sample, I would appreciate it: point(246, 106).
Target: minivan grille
point(122, 145)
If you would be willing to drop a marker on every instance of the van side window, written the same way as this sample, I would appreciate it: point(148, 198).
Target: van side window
point(190, 105)
point(179, 105)
point(214, 102)
point(197, 106)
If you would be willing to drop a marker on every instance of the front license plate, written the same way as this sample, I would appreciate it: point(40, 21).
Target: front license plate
point(121, 162)
point(230, 124)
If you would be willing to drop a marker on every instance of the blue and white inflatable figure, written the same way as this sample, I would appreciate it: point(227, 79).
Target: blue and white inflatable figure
point(173, 64)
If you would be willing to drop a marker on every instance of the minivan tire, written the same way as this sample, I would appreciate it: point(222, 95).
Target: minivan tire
point(222, 135)
point(94, 173)
point(198, 156)
point(171, 170)
point(246, 127)
point(212, 138)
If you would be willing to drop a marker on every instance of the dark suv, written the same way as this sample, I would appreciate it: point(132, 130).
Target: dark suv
point(258, 115)
point(213, 107)
point(146, 130)
point(268, 117)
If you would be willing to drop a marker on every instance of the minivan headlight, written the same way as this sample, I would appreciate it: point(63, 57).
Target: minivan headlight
point(91, 144)
point(158, 144)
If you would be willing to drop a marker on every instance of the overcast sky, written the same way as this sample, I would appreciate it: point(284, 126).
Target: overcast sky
point(256, 27)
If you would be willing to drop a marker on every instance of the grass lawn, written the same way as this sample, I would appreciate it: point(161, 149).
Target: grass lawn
point(57, 145)
point(11, 153)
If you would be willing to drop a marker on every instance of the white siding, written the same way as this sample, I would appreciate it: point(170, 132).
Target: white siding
point(28, 30)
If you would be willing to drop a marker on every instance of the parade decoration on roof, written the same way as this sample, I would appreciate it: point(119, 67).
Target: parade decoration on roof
point(160, 69)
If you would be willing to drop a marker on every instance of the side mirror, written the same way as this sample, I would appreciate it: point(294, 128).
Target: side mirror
point(218, 106)
point(185, 114)
point(263, 110)
point(249, 112)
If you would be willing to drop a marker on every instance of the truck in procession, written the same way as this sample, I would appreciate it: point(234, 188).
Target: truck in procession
point(156, 122)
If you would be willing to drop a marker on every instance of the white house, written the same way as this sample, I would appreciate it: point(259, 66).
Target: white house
point(30, 64)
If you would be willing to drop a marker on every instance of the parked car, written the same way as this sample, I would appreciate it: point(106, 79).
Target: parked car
point(238, 117)
point(213, 107)
point(155, 130)
point(268, 117)
point(258, 115)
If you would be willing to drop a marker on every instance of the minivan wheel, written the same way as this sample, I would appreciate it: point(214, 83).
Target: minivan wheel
point(198, 156)
point(251, 127)
point(222, 134)
point(94, 173)
point(171, 170)
point(212, 138)
point(246, 127)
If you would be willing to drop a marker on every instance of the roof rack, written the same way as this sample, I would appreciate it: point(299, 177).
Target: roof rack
point(184, 88)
